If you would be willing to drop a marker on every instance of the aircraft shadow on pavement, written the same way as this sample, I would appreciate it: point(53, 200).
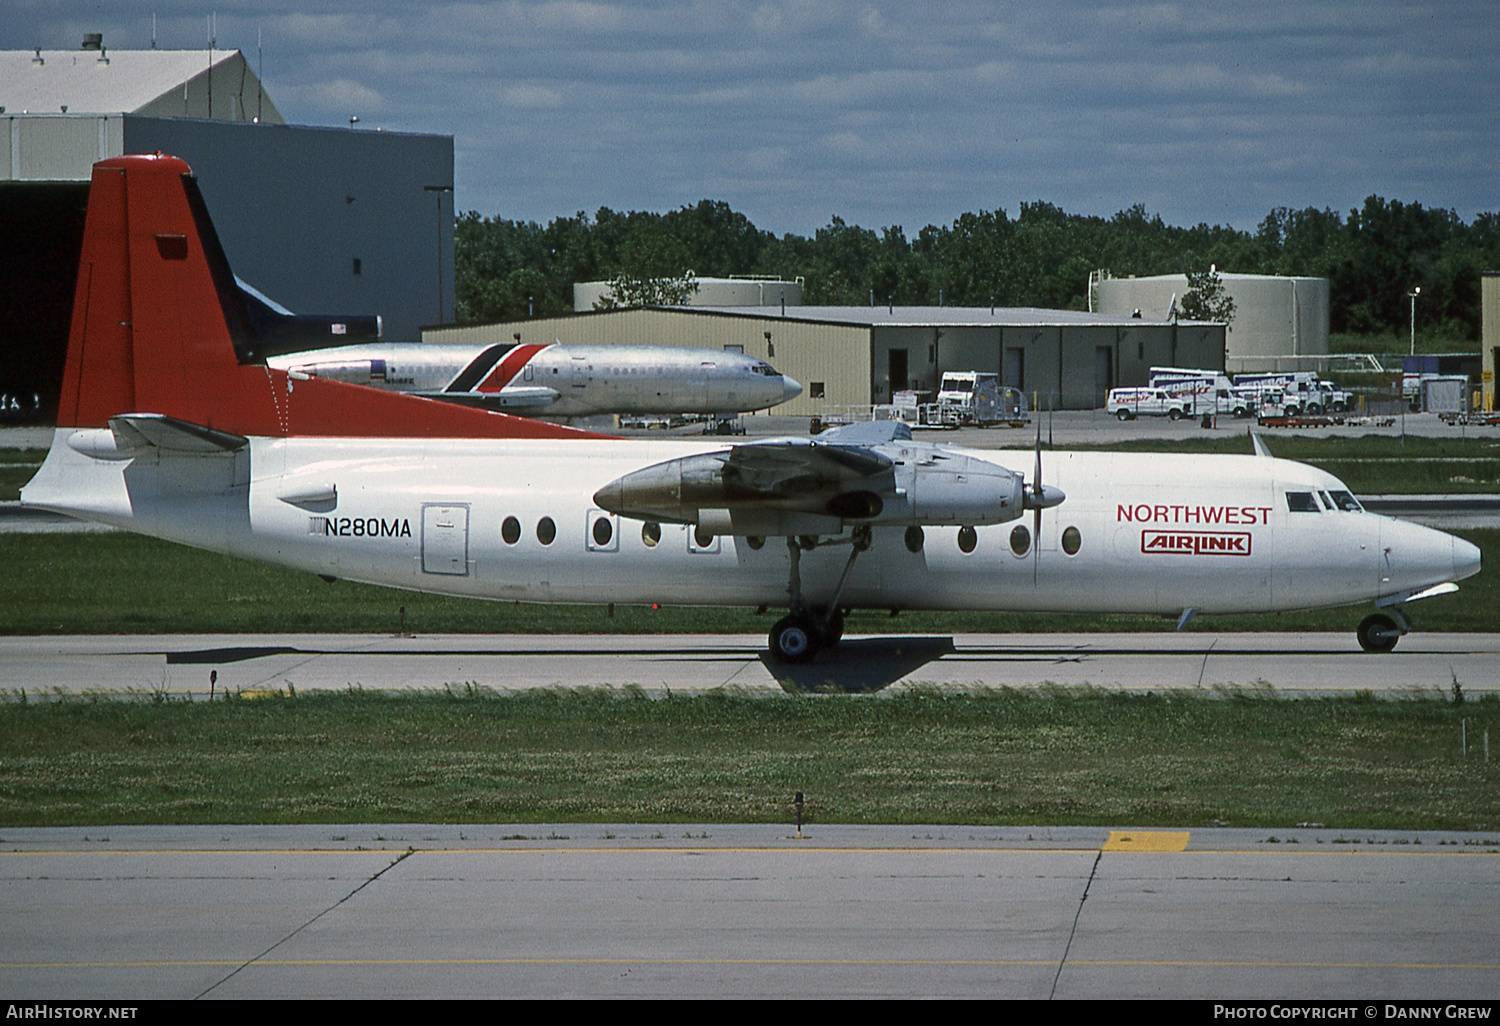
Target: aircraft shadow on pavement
point(859, 666)
point(228, 655)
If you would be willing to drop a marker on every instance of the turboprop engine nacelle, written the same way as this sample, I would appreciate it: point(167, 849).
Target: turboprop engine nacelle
point(797, 487)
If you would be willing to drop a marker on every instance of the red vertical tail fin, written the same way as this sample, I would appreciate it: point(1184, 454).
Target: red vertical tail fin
point(155, 325)
point(159, 326)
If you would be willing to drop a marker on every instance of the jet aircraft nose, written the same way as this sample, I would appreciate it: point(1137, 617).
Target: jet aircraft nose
point(791, 388)
point(1465, 559)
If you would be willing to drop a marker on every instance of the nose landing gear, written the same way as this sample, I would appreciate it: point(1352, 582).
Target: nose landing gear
point(1379, 632)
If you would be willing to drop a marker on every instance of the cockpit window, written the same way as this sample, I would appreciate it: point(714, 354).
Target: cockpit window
point(1347, 502)
point(1301, 502)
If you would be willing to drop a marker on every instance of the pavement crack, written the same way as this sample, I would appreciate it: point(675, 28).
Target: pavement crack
point(251, 961)
point(1204, 668)
point(1076, 915)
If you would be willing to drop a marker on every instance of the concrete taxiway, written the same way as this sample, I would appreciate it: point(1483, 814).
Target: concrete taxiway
point(181, 665)
point(745, 911)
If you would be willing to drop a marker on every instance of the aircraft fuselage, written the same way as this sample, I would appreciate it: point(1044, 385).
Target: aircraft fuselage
point(517, 520)
point(562, 380)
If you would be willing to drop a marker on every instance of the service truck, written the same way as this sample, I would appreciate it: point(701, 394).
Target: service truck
point(1208, 391)
point(976, 398)
point(1303, 392)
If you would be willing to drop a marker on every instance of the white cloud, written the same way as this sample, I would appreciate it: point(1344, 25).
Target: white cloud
point(883, 111)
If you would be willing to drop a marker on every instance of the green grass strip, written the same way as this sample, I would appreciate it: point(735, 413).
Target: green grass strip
point(1050, 756)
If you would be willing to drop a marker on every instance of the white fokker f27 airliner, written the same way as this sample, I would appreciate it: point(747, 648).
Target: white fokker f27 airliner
point(164, 430)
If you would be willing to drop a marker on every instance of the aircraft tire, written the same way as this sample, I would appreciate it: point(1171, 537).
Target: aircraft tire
point(795, 639)
point(1378, 633)
point(834, 631)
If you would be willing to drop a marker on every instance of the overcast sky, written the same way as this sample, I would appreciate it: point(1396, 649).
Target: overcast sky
point(881, 113)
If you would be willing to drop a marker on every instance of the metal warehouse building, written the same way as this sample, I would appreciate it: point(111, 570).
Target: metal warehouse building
point(322, 220)
point(856, 356)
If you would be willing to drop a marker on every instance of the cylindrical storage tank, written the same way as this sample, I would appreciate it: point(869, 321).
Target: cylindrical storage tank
point(1273, 316)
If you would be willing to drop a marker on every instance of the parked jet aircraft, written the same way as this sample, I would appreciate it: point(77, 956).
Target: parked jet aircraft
point(558, 380)
point(164, 429)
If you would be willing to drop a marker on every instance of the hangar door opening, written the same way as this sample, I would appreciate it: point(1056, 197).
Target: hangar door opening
point(1104, 374)
point(1015, 368)
point(445, 539)
point(897, 370)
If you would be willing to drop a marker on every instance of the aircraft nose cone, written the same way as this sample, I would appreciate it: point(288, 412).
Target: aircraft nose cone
point(1466, 559)
point(791, 388)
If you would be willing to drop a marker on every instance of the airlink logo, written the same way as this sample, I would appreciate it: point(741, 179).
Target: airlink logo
point(1195, 543)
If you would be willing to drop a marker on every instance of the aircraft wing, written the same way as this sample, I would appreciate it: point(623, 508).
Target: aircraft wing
point(529, 397)
point(812, 486)
point(784, 486)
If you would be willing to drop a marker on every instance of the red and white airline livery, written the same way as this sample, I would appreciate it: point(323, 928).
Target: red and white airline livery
point(170, 428)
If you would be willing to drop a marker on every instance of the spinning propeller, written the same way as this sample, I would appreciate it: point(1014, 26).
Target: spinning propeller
point(1038, 497)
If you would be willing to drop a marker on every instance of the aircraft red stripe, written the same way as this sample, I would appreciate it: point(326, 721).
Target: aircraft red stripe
point(150, 335)
point(509, 367)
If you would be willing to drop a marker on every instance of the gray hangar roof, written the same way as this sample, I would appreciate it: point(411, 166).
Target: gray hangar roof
point(152, 82)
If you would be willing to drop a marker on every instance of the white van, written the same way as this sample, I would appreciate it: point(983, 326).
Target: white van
point(1130, 403)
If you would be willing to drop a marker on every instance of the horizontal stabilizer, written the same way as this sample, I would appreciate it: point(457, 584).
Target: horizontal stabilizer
point(141, 430)
point(869, 432)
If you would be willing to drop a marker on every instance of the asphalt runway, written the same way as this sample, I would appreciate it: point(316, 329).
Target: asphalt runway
point(180, 665)
point(536, 911)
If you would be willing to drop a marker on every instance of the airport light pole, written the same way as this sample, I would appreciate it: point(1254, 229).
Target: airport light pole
point(1412, 295)
point(437, 191)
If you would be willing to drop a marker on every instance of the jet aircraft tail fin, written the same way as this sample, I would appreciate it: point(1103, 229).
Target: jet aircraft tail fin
point(159, 327)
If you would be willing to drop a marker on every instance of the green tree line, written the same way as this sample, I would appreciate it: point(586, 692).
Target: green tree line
point(1042, 257)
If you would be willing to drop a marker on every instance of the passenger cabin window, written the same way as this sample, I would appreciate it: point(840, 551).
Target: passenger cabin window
point(1301, 502)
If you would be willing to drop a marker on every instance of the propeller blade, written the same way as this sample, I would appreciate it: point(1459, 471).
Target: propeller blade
point(1036, 544)
point(1038, 494)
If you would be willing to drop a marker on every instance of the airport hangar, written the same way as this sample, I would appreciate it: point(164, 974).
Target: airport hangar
point(856, 356)
point(322, 220)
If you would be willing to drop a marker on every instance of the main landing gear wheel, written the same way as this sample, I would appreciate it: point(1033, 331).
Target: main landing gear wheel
point(795, 639)
point(1378, 633)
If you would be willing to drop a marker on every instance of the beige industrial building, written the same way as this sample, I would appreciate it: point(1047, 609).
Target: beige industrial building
point(1280, 323)
point(1489, 345)
point(858, 356)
